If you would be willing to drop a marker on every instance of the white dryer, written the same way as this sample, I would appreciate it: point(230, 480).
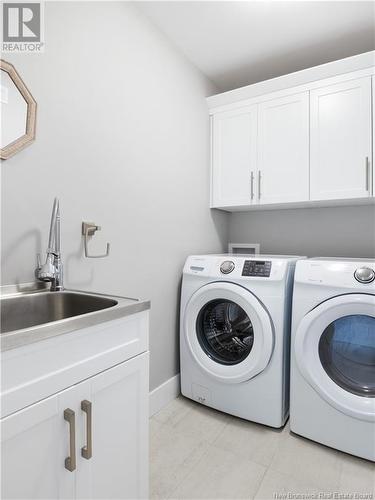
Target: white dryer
point(234, 334)
point(333, 354)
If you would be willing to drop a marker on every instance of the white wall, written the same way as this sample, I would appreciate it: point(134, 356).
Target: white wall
point(334, 231)
point(122, 140)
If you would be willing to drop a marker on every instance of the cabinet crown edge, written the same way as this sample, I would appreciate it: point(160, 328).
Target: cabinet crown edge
point(293, 82)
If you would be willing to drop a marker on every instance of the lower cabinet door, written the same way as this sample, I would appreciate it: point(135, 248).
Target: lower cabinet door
point(35, 442)
point(31, 452)
point(118, 467)
point(89, 441)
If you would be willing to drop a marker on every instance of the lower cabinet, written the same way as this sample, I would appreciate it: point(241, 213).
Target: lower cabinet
point(88, 441)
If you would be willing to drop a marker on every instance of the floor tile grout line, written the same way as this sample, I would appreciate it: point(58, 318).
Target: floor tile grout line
point(209, 445)
point(230, 452)
point(260, 482)
point(167, 425)
point(168, 496)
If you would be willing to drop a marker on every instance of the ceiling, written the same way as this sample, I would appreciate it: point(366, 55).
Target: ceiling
point(236, 43)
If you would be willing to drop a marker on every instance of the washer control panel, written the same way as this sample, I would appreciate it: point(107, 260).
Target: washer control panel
point(257, 268)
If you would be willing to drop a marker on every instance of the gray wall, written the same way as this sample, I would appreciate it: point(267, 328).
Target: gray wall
point(334, 231)
point(122, 140)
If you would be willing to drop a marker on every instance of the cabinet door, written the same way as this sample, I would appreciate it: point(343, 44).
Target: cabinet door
point(234, 135)
point(341, 140)
point(31, 452)
point(283, 151)
point(36, 441)
point(34, 444)
point(118, 467)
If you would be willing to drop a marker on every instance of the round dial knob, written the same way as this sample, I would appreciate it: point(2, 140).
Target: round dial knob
point(364, 275)
point(227, 267)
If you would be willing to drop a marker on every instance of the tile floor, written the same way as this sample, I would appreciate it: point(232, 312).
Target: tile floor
point(197, 452)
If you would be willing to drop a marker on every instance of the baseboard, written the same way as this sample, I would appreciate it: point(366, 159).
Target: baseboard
point(164, 394)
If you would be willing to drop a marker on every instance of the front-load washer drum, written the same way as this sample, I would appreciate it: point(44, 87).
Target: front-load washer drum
point(335, 352)
point(225, 331)
point(228, 331)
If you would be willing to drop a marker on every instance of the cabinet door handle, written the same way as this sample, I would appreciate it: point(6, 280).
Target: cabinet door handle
point(259, 183)
point(252, 184)
point(86, 451)
point(70, 417)
point(367, 164)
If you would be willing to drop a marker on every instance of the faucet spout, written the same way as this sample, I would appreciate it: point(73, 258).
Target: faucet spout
point(53, 227)
point(52, 269)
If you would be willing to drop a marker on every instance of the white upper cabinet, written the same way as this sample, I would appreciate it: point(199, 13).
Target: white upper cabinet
point(341, 140)
point(234, 157)
point(283, 149)
point(304, 139)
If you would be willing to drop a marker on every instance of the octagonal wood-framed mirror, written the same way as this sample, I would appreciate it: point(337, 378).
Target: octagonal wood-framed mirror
point(18, 112)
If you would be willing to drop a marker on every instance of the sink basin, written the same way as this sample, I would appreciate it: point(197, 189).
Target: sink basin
point(25, 311)
point(31, 313)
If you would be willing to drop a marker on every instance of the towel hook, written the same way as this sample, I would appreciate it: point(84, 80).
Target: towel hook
point(89, 229)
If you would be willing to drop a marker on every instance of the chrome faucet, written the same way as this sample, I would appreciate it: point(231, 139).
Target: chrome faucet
point(52, 270)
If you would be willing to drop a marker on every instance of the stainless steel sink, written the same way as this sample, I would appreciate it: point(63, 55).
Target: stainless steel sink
point(25, 311)
point(30, 312)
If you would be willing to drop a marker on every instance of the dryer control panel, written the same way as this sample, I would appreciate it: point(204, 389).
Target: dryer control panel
point(257, 268)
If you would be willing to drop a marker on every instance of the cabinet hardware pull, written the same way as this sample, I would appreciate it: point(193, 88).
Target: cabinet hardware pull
point(259, 181)
point(252, 184)
point(70, 417)
point(86, 451)
point(367, 163)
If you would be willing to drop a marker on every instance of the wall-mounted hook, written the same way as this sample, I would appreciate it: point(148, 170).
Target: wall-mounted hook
point(89, 229)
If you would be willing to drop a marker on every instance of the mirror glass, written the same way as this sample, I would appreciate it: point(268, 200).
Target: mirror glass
point(13, 111)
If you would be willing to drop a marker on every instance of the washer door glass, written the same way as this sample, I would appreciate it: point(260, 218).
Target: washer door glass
point(225, 331)
point(228, 332)
point(347, 353)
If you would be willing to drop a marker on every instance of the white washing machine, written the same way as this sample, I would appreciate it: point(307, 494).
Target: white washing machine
point(234, 335)
point(333, 354)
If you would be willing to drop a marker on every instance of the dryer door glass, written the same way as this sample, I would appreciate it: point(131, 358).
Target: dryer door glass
point(347, 353)
point(225, 331)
